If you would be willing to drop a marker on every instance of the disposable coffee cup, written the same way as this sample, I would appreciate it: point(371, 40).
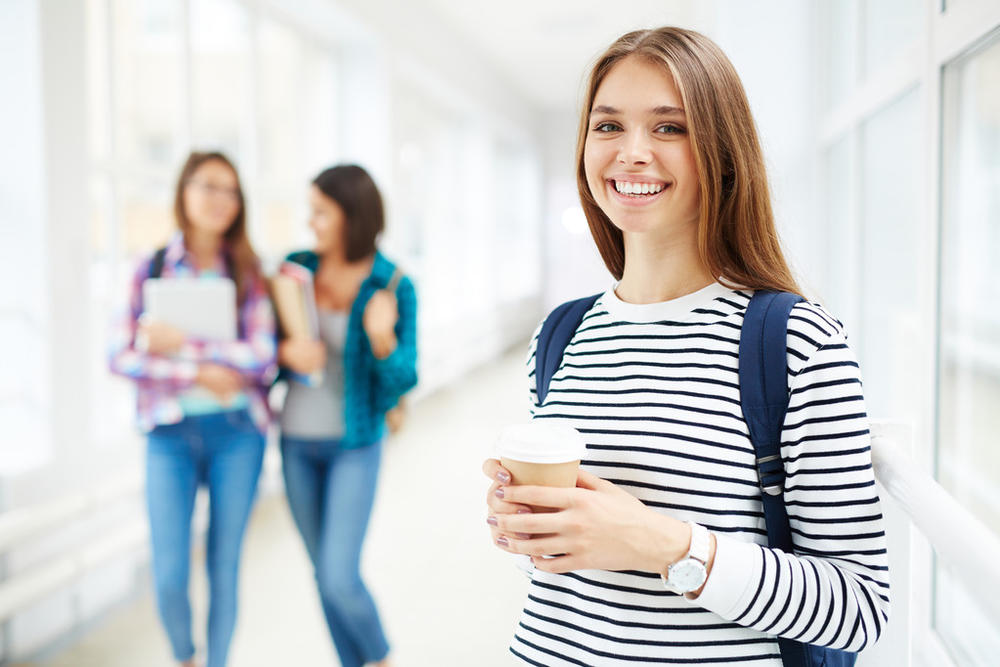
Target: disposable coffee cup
point(542, 452)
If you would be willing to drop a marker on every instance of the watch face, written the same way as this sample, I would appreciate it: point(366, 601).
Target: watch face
point(686, 575)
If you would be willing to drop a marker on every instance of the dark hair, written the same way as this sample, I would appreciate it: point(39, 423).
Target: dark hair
point(355, 192)
point(245, 264)
point(737, 239)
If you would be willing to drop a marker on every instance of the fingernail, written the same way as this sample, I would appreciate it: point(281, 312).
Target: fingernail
point(524, 510)
point(502, 541)
point(499, 492)
point(503, 476)
point(523, 536)
point(492, 520)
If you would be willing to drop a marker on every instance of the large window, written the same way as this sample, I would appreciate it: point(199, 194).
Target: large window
point(169, 76)
point(968, 459)
point(890, 258)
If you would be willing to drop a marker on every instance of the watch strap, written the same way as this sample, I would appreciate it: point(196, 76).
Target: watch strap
point(701, 544)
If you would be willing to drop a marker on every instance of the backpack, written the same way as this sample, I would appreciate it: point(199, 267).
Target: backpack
point(764, 400)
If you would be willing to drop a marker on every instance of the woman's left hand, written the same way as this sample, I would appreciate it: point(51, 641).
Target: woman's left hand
point(596, 526)
point(159, 337)
point(381, 315)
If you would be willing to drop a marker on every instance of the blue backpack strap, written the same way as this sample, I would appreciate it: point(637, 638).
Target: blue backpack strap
point(557, 331)
point(156, 264)
point(764, 399)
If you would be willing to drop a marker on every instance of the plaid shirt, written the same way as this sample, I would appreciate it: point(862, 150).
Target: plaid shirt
point(160, 379)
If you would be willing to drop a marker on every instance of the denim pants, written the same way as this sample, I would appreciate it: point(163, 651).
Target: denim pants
point(330, 492)
point(224, 451)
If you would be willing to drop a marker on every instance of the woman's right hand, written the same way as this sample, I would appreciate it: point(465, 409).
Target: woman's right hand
point(159, 337)
point(501, 477)
point(222, 381)
point(303, 355)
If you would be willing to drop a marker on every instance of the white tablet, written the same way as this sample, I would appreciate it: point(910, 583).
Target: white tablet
point(200, 307)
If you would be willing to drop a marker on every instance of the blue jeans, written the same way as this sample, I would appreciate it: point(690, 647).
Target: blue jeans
point(330, 492)
point(224, 451)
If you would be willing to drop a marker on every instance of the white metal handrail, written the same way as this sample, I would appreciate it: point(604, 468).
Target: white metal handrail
point(31, 585)
point(19, 525)
point(22, 525)
point(958, 537)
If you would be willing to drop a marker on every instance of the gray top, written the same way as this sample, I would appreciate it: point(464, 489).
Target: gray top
point(318, 412)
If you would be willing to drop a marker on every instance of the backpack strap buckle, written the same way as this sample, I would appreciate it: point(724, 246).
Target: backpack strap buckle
point(771, 475)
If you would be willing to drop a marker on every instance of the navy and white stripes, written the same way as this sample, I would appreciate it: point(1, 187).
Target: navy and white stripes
point(654, 390)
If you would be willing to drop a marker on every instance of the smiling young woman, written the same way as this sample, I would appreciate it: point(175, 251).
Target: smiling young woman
point(661, 553)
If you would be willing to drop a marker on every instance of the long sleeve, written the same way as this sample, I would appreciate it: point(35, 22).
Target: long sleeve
point(125, 359)
point(254, 353)
point(397, 373)
point(834, 590)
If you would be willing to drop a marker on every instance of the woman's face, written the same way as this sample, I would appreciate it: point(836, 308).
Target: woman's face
point(326, 220)
point(212, 197)
point(637, 157)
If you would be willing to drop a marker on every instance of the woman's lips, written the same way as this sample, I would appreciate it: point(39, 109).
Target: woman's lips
point(636, 199)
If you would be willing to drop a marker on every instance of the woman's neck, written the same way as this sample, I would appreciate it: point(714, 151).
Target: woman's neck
point(203, 247)
point(335, 261)
point(661, 270)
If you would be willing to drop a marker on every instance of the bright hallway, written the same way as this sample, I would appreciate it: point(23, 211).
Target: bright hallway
point(879, 122)
point(447, 596)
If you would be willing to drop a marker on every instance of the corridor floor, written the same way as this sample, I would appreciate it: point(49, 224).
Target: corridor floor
point(446, 595)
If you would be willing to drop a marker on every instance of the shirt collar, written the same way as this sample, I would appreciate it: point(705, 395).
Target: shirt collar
point(177, 254)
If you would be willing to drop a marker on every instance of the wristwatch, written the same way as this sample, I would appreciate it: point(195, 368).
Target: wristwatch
point(689, 573)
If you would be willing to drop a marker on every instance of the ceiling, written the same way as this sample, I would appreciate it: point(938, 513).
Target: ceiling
point(544, 47)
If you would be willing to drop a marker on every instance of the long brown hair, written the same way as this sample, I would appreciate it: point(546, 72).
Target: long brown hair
point(236, 244)
point(737, 239)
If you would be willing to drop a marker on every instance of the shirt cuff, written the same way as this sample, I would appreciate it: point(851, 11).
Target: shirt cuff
point(187, 371)
point(735, 573)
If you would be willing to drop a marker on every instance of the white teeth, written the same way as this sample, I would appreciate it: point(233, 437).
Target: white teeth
point(629, 188)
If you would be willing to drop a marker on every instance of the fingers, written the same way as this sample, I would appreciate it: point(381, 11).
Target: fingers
point(526, 523)
point(535, 546)
point(497, 505)
point(558, 564)
point(493, 470)
point(541, 496)
point(586, 480)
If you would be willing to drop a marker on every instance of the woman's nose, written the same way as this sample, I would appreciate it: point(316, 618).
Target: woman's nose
point(634, 149)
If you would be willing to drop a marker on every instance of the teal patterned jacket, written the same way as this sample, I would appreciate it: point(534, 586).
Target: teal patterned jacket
point(373, 386)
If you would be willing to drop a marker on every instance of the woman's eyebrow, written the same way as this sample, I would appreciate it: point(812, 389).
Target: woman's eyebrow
point(602, 108)
point(663, 110)
point(667, 111)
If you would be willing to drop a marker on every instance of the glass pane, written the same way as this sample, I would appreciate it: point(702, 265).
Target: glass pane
point(890, 26)
point(98, 81)
point(222, 117)
point(148, 98)
point(890, 200)
point(296, 93)
point(516, 232)
point(839, 285)
point(146, 214)
point(968, 460)
point(102, 246)
point(842, 51)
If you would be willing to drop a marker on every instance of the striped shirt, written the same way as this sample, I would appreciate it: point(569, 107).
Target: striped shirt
point(654, 390)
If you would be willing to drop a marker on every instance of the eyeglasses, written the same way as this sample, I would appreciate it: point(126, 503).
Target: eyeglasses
point(232, 194)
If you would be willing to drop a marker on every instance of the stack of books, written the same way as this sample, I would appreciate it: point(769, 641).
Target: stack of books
point(295, 303)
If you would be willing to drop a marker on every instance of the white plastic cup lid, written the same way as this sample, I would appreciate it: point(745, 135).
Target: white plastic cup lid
point(541, 441)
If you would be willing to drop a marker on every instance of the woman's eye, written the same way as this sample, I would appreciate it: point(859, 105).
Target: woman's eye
point(606, 127)
point(670, 129)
